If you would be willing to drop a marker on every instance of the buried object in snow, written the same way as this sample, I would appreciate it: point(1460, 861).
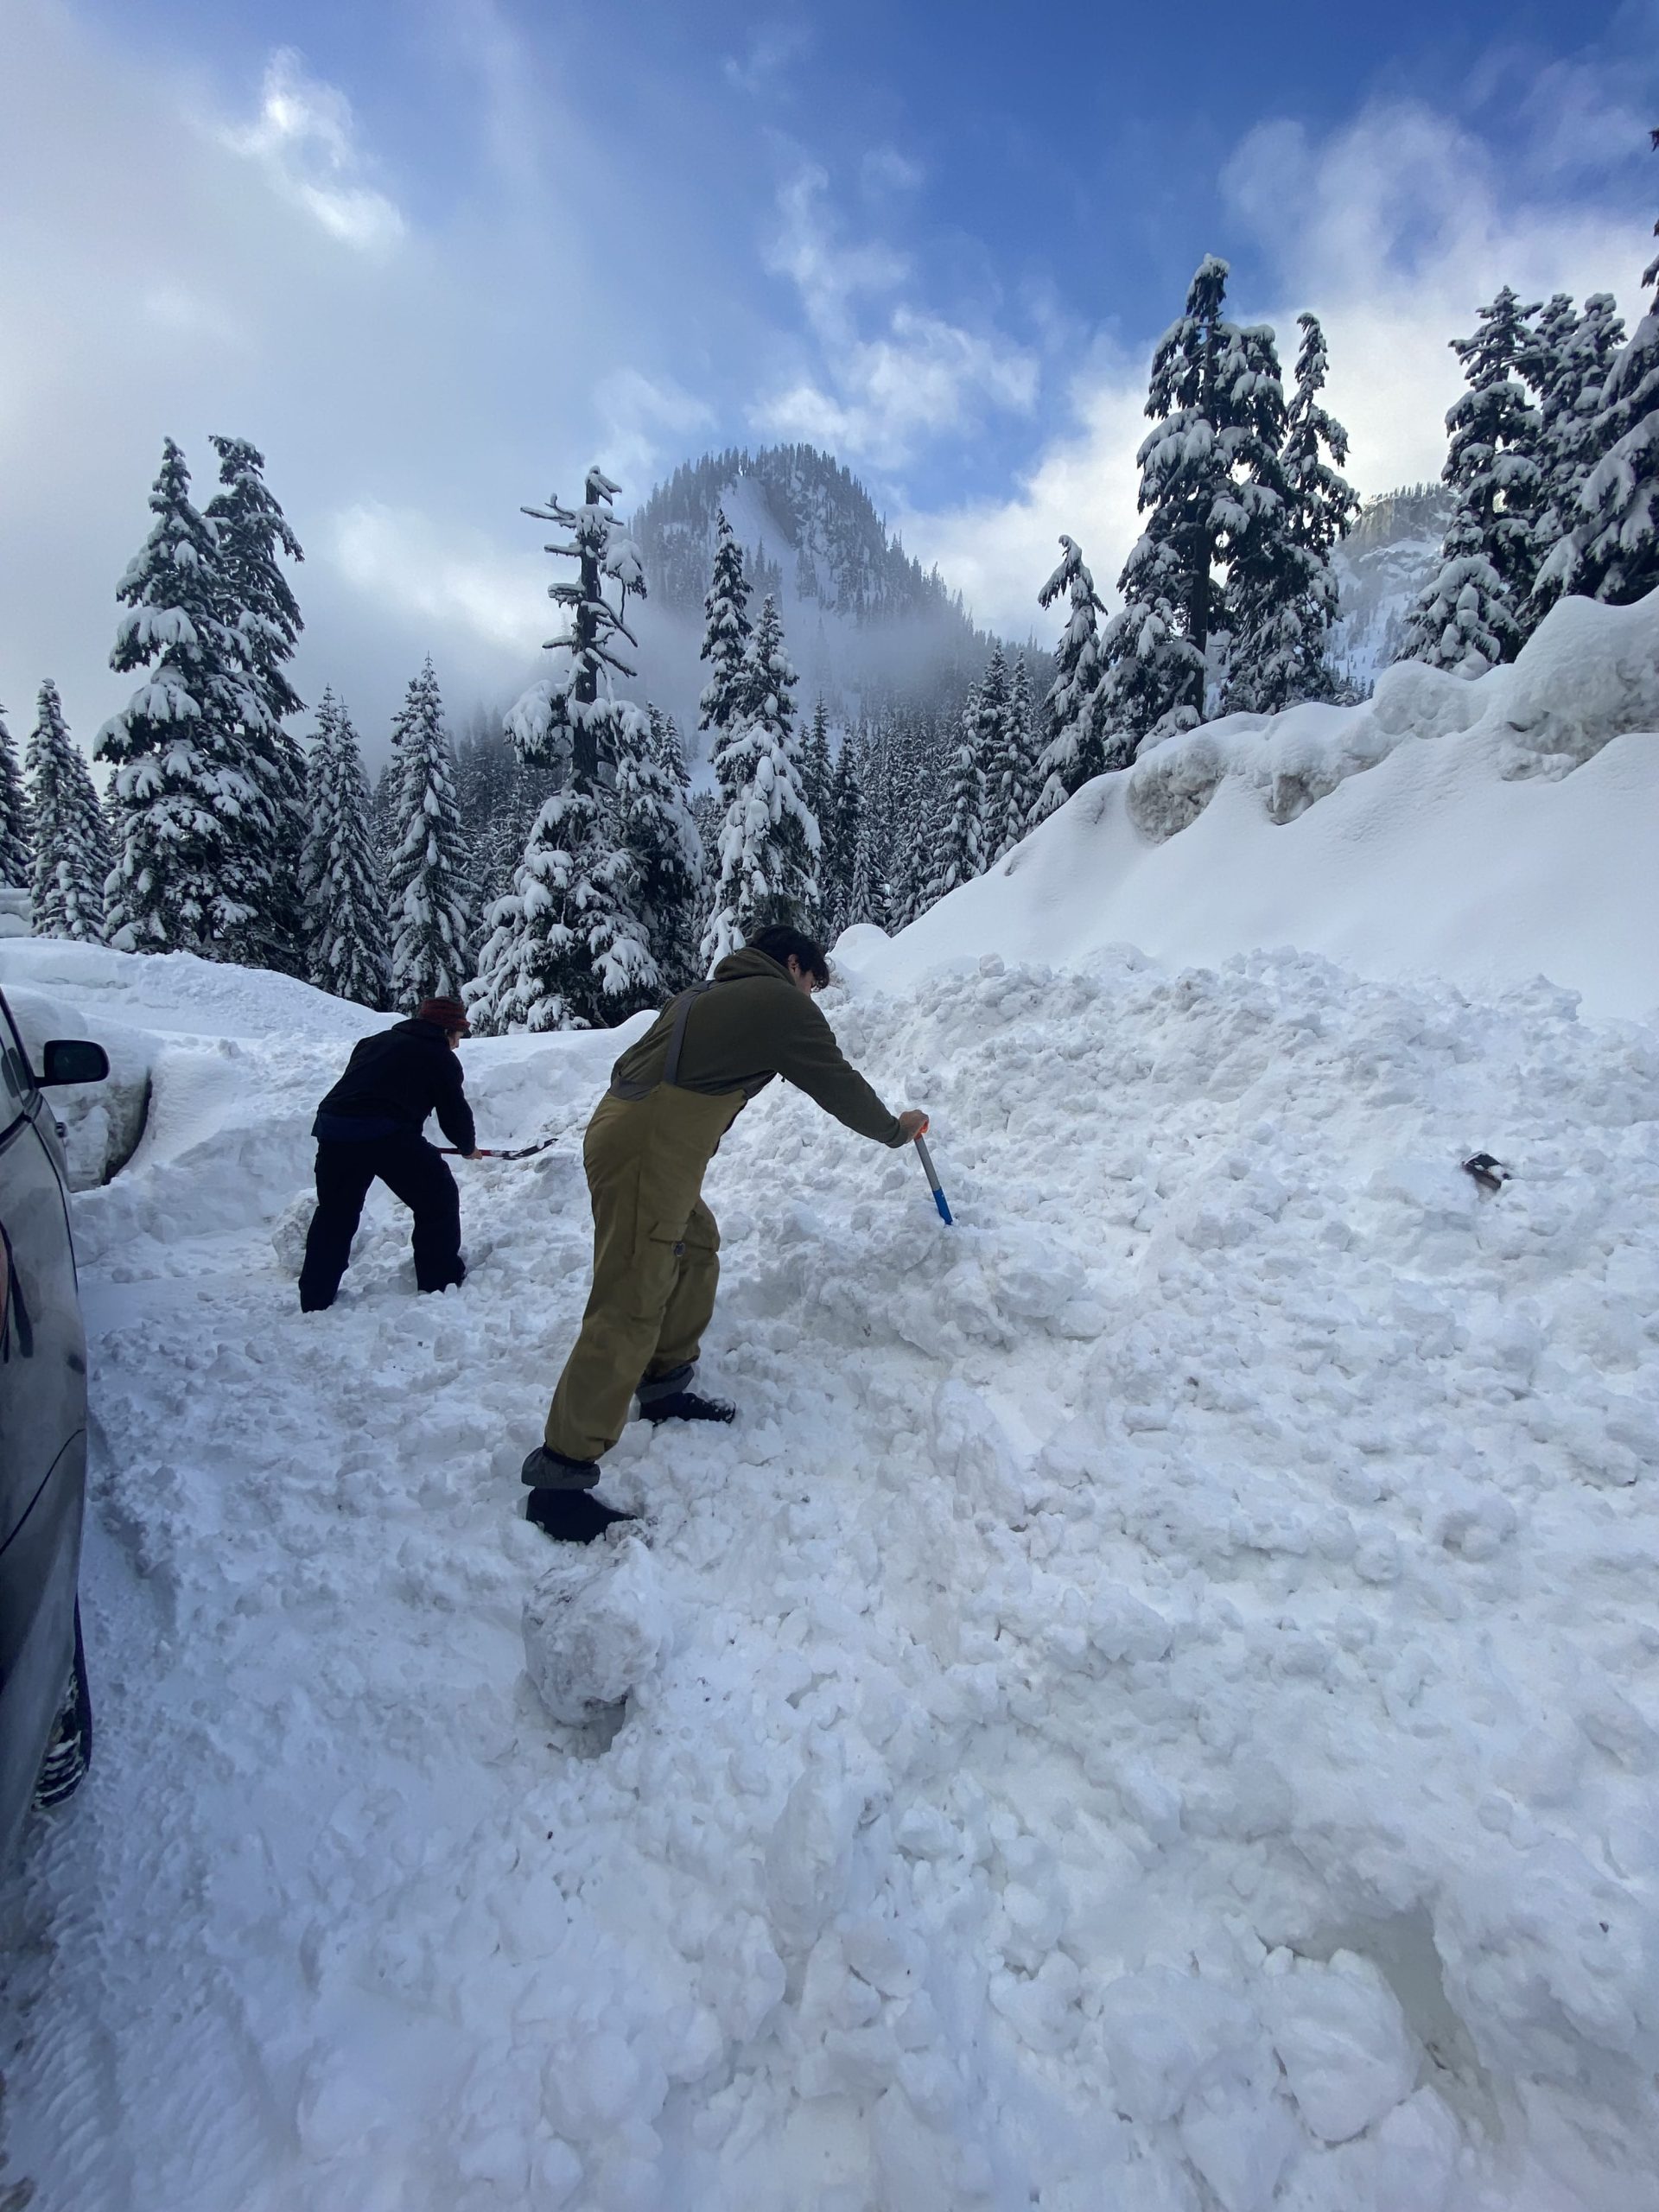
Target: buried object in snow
point(1490, 1174)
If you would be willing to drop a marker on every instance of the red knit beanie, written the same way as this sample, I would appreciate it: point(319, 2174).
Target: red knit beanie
point(448, 1013)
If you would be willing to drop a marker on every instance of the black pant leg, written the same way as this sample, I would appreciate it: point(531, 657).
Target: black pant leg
point(417, 1172)
point(344, 1174)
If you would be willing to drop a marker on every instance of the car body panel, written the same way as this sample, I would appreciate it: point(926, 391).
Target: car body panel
point(42, 1430)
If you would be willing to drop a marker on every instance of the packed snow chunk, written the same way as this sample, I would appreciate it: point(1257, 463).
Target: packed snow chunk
point(1343, 2042)
point(289, 1230)
point(808, 1853)
point(1169, 787)
point(1589, 674)
point(596, 1627)
point(1159, 2029)
point(1417, 2149)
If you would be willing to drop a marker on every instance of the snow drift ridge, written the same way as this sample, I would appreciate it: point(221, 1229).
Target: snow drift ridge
point(1484, 830)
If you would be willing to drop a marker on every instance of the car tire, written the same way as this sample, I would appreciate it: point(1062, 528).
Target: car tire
point(69, 1753)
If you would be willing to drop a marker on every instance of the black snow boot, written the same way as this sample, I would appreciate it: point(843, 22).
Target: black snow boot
point(686, 1405)
point(571, 1516)
point(545, 1469)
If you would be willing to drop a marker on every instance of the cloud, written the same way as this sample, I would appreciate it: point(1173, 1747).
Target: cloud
point(773, 51)
point(877, 392)
point(433, 574)
point(646, 421)
point(304, 142)
point(1394, 230)
point(411, 383)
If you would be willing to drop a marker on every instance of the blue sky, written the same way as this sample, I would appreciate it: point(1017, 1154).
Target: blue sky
point(436, 255)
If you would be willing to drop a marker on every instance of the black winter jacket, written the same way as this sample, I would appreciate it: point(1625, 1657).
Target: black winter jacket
point(392, 1082)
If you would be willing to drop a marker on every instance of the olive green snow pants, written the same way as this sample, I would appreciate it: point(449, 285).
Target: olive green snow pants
point(656, 1258)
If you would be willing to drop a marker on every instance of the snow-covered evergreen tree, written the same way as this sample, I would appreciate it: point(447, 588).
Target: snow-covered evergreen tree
point(870, 898)
point(923, 788)
point(1573, 358)
point(1002, 738)
point(566, 948)
point(16, 846)
point(262, 620)
point(840, 831)
point(1467, 619)
point(769, 840)
point(669, 751)
point(654, 827)
point(1209, 474)
point(73, 852)
point(1282, 588)
point(725, 634)
point(430, 920)
point(343, 890)
point(959, 852)
point(1014, 786)
point(1612, 552)
point(1076, 751)
point(197, 828)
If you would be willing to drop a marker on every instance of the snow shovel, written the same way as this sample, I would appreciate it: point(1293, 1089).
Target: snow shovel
point(932, 1174)
point(487, 1152)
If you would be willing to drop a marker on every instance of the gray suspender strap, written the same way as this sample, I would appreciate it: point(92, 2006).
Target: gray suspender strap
point(672, 1064)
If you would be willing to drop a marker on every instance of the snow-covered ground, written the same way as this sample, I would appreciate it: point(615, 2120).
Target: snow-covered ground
point(1153, 1707)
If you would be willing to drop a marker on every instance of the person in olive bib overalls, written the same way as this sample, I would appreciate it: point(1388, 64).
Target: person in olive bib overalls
point(672, 1097)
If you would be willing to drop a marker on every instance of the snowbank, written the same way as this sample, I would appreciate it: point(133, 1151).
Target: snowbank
point(1155, 1703)
point(1486, 832)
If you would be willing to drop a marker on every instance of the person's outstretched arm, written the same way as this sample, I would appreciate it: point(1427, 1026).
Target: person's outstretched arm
point(809, 1057)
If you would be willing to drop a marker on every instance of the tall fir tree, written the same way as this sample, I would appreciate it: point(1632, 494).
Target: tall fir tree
point(199, 835)
point(262, 619)
point(959, 855)
point(1002, 756)
point(839, 859)
point(343, 890)
point(1212, 491)
point(725, 634)
point(1467, 619)
point(16, 846)
point(430, 918)
point(656, 830)
point(1014, 793)
point(1282, 597)
point(566, 948)
point(1574, 357)
point(922, 804)
point(870, 898)
point(769, 839)
point(817, 774)
point(73, 852)
point(1077, 749)
point(1612, 551)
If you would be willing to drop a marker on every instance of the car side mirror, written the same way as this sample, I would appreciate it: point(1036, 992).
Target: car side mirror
point(72, 1059)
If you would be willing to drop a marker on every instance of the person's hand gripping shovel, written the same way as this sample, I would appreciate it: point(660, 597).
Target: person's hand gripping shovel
point(914, 1126)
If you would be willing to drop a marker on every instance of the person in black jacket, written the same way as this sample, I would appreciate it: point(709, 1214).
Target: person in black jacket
point(370, 1124)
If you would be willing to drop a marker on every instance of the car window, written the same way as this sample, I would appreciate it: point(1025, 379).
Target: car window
point(17, 1084)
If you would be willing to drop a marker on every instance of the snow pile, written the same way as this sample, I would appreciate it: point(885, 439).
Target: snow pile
point(1485, 831)
point(172, 1054)
point(1153, 1704)
point(594, 1629)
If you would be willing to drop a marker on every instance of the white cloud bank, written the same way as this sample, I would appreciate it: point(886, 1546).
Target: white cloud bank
point(885, 374)
point(304, 141)
point(1393, 230)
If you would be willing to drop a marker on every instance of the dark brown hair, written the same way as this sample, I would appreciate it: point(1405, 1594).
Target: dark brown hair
point(780, 943)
